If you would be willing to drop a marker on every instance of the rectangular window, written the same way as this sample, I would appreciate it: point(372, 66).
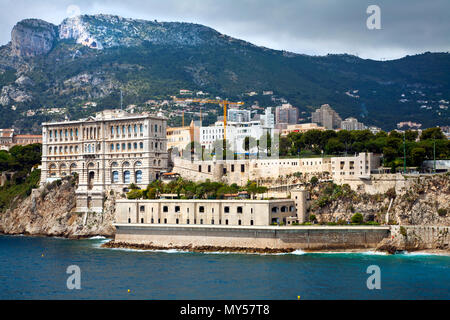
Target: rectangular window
point(227, 209)
point(242, 168)
point(239, 209)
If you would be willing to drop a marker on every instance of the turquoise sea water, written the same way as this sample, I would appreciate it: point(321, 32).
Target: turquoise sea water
point(109, 273)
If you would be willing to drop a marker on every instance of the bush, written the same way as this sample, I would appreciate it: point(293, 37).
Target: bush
point(442, 212)
point(312, 218)
point(135, 194)
point(357, 218)
point(403, 231)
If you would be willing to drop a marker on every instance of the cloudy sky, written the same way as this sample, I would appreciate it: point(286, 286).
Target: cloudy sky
point(314, 27)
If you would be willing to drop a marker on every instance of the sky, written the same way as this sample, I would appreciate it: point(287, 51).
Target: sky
point(313, 27)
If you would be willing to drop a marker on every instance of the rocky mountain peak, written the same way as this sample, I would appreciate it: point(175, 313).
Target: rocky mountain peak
point(105, 31)
point(32, 37)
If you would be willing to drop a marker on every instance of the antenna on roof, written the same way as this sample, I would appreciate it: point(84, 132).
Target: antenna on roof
point(121, 99)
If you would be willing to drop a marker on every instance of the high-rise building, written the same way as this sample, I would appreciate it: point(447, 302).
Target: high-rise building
point(268, 119)
point(107, 152)
point(238, 115)
point(352, 124)
point(326, 117)
point(286, 113)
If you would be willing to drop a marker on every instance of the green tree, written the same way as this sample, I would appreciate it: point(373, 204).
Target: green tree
point(432, 133)
point(418, 155)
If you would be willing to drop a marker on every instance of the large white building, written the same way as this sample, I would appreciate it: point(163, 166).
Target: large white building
point(236, 133)
point(107, 152)
point(352, 124)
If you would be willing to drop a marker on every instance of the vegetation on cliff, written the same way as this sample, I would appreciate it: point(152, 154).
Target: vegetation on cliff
point(424, 202)
point(19, 173)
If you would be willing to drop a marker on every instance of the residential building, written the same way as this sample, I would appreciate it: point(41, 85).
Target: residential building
point(8, 139)
point(238, 115)
point(179, 137)
point(352, 124)
point(301, 128)
point(108, 151)
point(268, 119)
point(326, 117)
point(286, 113)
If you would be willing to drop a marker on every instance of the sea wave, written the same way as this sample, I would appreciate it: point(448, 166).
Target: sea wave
point(97, 238)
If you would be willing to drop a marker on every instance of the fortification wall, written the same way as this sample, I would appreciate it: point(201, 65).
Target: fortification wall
point(305, 238)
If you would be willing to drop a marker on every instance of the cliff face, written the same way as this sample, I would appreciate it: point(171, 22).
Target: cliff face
point(32, 37)
point(426, 202)
point(50, 211)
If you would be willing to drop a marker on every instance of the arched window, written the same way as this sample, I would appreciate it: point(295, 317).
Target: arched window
point(135, 128)
point(135, 145)
point(141, 145)
point(129, 145)
point(112, 130)
point(123, 146)
point(138, 164)
point(141, 129)
point(76, 132)
point(126, 164)
point(50, 150)
point(112, 146)
point(115, 177)
point(139, 176)
point(129, 128)
point(118, 146)
point(126, 176)
point(114, 164)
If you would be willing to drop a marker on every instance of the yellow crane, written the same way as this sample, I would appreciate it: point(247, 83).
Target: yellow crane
point(225, 103)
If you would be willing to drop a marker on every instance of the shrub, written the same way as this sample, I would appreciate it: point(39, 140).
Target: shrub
point(312, 218)
point(357, 218)
point(135, 194)
point(442, 212)
point(403, 231)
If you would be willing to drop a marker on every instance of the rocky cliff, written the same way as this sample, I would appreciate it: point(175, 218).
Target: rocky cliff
point(32, 37)
point(425, 202)
point(50, 211)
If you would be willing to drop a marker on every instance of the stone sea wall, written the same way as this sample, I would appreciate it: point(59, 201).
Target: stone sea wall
point(282, 238)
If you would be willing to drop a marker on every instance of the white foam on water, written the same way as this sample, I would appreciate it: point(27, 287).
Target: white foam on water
point(374, 253)
point(298, 252)
point(422, 253)
point(97, 238)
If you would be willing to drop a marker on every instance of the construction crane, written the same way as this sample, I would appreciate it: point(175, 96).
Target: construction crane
point(225, 103)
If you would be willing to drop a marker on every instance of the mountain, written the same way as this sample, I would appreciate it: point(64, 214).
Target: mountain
point(91, 58)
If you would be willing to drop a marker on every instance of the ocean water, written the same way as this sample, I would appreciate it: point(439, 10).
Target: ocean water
point(35, 268)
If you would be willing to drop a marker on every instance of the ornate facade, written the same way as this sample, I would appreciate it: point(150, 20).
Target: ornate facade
point(108, 152)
